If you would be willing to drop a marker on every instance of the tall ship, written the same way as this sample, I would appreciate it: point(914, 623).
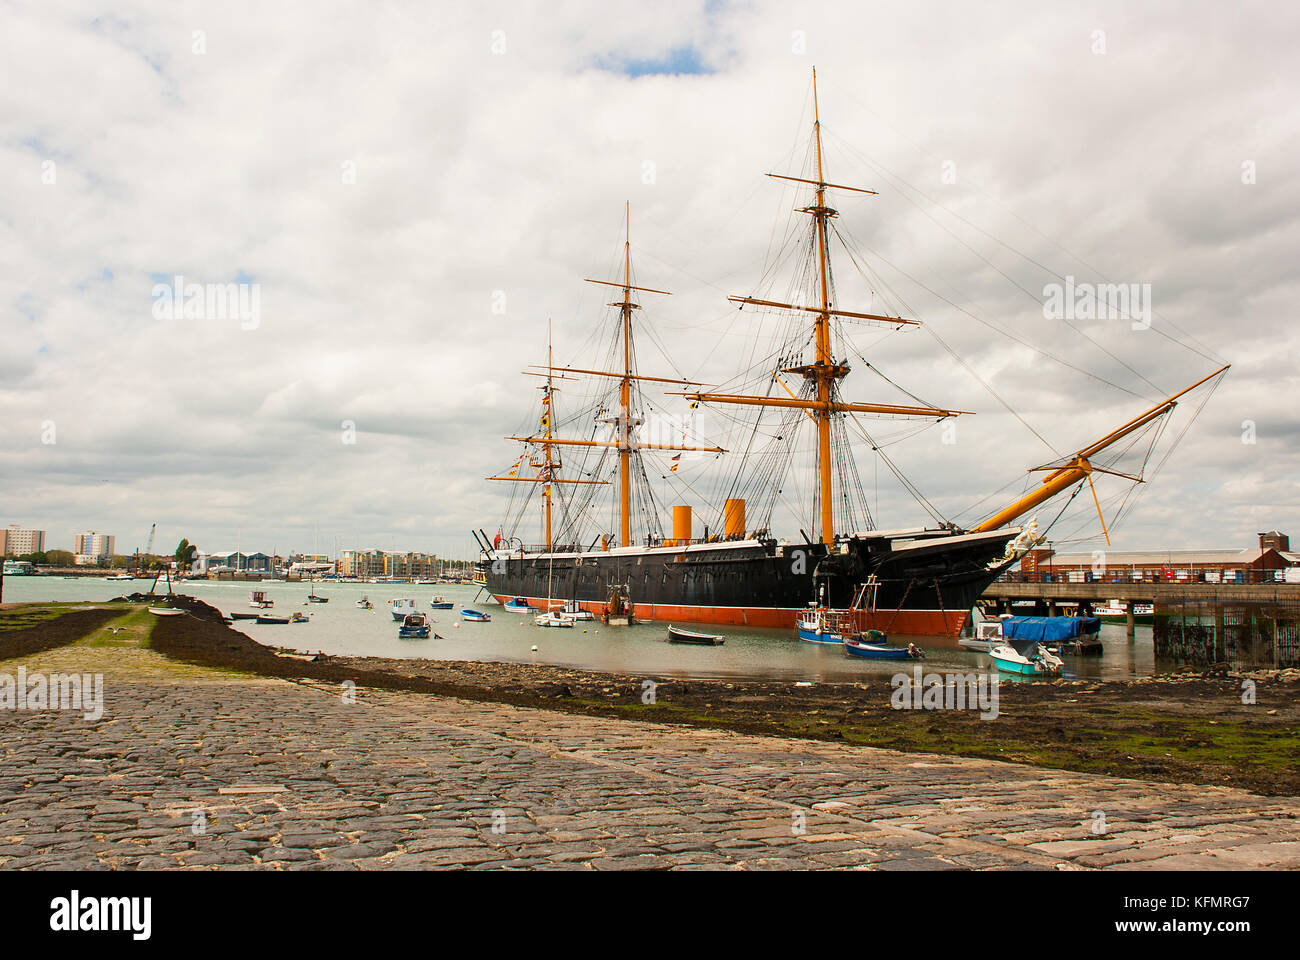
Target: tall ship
point(733, 568)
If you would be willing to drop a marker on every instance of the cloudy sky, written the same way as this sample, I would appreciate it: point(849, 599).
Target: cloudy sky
point(414, 189)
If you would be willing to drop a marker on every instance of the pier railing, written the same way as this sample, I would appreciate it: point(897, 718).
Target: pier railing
point(1172, 575)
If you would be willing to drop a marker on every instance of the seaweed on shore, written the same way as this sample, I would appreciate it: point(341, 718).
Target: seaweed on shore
point(26, 632)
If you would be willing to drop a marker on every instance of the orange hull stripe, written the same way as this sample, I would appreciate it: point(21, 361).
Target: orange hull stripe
point(918, 623)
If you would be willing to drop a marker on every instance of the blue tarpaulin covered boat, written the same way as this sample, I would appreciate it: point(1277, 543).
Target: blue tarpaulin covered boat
point(1049, 630)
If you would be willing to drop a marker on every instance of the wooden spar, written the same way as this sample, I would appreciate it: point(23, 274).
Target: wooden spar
point(544, 480)
point(616, 443)
point(628, 286)
point(820, 183)
point(822, 406)
point(1079, 468)
point(834, 313)
point(634, 376)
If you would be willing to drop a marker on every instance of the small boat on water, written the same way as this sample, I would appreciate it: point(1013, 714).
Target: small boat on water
point(401, 608)
point(678, 635)
point(299, 618)
point(475, 616)
point(619, 611)
point(312, 598)
point(1116, 611)
point(874, 645)
point(553, 620)
point(1025, 656)
point(272, 619)
point(572, 611)
point(166, 612)
point(821, 625)
point(1074, 635)
point(258, 598)
point(120, 576)
point(988, 634)
point(441, 603)
point(517, 605)
point(244, 616)
point(414, 627)
point(365, 604)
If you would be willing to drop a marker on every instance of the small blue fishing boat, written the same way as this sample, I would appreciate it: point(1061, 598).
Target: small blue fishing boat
point(874, 645)
point(821, 626)
point(414, 627)
point(517, 605)
point(476, 616)
point(441, 603)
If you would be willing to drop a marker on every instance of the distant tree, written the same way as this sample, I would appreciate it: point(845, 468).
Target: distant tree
point(185, 555)
point(59, 558)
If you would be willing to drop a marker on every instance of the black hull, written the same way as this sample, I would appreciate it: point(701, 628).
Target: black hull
point(921, 585)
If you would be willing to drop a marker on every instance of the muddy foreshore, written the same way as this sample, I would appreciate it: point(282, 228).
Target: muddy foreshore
point(1188, 727)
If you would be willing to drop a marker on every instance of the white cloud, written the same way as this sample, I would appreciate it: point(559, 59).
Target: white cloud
point(478, 172)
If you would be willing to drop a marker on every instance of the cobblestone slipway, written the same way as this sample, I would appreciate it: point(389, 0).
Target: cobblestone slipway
point(192, 768)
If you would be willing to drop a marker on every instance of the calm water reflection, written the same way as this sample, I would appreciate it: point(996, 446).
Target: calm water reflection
point(341, 628)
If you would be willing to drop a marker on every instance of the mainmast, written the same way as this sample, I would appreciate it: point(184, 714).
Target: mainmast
point(824, 372)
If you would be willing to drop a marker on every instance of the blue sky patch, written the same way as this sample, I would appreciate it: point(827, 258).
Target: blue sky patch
point(682, 60)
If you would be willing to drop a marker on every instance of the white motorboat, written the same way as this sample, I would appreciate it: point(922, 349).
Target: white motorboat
point(401, 608)
point(553, 620)
point(988, 634)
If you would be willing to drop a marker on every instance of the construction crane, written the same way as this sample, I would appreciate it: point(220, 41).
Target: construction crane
point(148, 548)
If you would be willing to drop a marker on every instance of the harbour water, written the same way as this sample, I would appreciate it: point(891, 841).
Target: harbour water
point(340, 628)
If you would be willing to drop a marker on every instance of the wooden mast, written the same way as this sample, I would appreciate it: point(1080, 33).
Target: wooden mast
point(824, 371)
point(623, 433)
point(625, 391)
point(825, 366)
point(546, 469)
point(550, 405)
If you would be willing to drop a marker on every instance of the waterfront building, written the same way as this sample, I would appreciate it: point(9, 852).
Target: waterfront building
point(366, 564)
point(233, 561)
point(1270, 560)
point(17, 542)
point(91, 547)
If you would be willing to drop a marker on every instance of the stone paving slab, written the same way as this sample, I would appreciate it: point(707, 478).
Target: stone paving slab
point(408, 781)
